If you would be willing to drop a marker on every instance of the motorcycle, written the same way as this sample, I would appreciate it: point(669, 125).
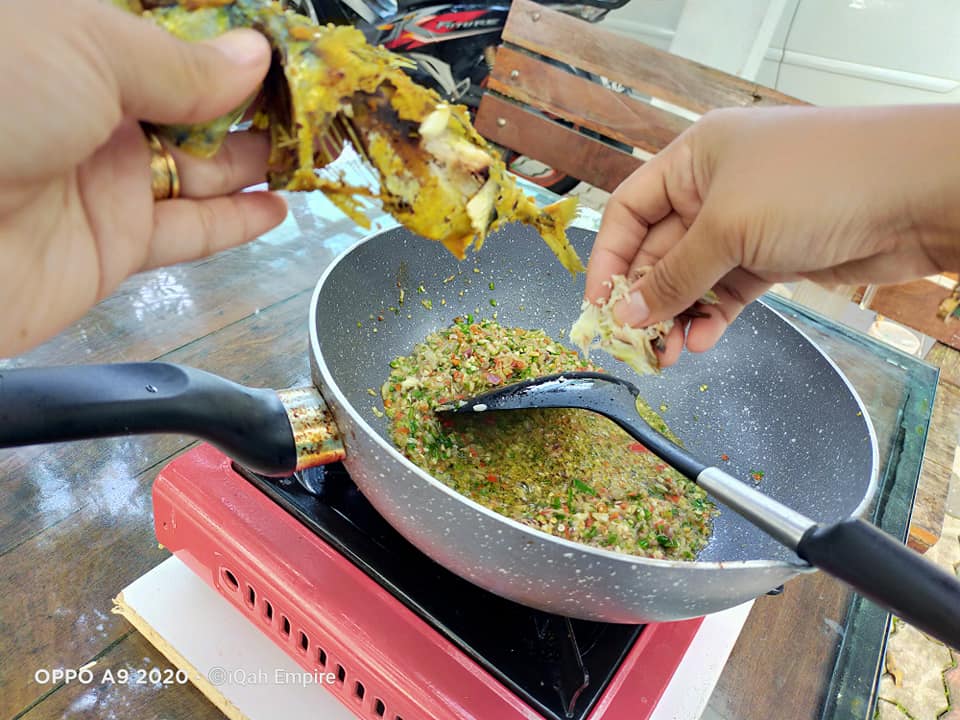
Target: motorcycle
point(453, 46)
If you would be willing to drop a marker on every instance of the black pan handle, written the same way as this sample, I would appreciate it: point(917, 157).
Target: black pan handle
point(56, 404)
point(889, 573)
point(866, 558)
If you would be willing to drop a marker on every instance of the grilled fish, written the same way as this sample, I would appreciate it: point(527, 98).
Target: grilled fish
point(327, 86)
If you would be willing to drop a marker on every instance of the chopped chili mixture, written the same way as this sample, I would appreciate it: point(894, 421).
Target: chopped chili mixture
point(571, 473)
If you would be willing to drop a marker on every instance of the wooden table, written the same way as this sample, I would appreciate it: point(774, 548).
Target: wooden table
point(75, 519)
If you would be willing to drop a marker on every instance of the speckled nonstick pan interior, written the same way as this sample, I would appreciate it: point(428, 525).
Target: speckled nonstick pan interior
point(765, 396)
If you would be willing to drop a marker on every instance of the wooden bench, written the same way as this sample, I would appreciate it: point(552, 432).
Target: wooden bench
point(545, 73)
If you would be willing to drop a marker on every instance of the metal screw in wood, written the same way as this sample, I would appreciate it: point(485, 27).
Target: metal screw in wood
point(514, 74)
point(535, 16)
point(501, 122)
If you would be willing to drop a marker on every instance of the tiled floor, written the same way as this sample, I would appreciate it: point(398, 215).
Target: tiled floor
point(922, 681)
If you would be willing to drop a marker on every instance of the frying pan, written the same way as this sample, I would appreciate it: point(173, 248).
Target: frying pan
point(765, 396)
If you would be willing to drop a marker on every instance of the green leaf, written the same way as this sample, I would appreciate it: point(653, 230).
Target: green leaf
point(583, 487)
point(666, 542)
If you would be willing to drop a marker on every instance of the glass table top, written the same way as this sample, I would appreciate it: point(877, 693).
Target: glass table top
point(898, 391)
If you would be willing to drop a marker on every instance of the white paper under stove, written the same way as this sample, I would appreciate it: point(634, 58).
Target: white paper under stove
point(199, 631)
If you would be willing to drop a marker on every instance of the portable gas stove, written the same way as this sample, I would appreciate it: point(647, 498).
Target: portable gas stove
point(340, 591)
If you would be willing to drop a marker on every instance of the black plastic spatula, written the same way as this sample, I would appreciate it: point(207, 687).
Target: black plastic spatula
point(852, 550)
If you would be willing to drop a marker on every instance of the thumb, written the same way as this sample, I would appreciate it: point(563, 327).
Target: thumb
point(164, 80)
point(688, 270)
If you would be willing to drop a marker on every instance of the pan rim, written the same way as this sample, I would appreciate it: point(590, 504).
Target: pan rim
point(331, 387)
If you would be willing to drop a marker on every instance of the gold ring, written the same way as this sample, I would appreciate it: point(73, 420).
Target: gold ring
point(164, 178)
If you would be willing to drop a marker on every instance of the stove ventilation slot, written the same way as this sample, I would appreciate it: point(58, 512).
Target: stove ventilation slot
point(244, 594)
point(231, 579)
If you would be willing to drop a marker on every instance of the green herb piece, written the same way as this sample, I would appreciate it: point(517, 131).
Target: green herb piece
point(583, 487)
point(666, 542)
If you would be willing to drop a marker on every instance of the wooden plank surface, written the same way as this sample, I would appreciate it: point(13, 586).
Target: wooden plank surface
point(948, 360)
point(648, 70)
point(785, 654)
point(915, 305)
point(148, 317)
point(583, 102)
point(929, 508)
point(585, 158)
point(153, 313)
point(131, 654)
point(75, 567)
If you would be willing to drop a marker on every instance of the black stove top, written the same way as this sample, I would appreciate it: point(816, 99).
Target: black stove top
point(557, 665)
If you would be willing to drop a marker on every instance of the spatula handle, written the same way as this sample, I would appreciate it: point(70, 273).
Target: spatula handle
point(863, 556)
point(889, 573)
point(783, 524)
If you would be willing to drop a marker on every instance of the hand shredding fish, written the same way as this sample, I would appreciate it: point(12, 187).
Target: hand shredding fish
point(636, 347)
point(437, 175)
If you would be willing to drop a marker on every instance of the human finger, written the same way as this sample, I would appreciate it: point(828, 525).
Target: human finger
point(734, 292)
point(239, 163)
point(672, 344)
point(162, 79)
point(691, 267)
point(660, 238)
point(635, 206)
point(188, 229)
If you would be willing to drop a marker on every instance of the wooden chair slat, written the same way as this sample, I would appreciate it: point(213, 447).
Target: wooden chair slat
point(660, 74)
point(590, 160)
point(583, 102)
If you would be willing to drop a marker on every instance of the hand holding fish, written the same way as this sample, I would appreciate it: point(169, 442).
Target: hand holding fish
point(77, 214)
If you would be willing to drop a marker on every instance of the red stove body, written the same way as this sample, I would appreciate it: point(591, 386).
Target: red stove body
point(332, 617)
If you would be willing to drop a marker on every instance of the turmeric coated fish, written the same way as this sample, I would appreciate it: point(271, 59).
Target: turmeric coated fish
point(437, 175)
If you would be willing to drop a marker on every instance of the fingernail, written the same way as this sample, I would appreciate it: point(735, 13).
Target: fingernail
point(242, 46)
point(632, 310)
